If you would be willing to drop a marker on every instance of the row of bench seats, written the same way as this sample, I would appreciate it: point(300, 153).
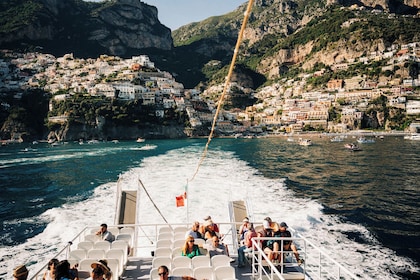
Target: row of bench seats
point(199, 267)
point(91, 249)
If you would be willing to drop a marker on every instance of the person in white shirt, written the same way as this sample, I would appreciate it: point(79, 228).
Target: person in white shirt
point(105, 234)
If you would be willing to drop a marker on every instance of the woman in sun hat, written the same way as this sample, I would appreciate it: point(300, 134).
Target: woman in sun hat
point(20, 272)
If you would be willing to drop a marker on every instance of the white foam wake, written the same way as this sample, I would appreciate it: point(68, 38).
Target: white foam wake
point(221, 178)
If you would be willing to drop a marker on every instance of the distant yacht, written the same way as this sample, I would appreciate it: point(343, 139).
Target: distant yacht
point(415, 136)
point(140, 140)
point(305, 142)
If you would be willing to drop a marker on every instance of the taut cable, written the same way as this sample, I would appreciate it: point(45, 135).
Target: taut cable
point(227, 84)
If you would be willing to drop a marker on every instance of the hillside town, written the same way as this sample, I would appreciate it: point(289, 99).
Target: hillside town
point(284, 106)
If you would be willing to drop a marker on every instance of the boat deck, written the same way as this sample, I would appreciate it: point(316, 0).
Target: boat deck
point(139, 268)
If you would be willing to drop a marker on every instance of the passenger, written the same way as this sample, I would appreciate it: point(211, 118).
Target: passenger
point(268, 245)
point(288, 245)
point(247, 247)
point(163, 273)
point(265, 231)
point(210, 230)
point(20, 272)
point(216, 247)
point(50, 273)
point(62, 271)
point(243, 229)
point(206, 221)
point(273, 225)
point(105, 234)
point(194, 231)
point(190, 249)
point(97, 273)
point(103, 264)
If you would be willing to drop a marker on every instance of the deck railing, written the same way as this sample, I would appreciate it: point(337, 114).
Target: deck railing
point(318, 264)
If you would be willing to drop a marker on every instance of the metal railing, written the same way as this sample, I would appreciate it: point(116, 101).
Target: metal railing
point(318, 264)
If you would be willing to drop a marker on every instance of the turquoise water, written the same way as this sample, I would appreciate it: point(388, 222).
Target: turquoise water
point(370, 198)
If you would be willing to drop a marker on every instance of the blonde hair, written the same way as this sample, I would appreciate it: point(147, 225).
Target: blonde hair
point(185, 247)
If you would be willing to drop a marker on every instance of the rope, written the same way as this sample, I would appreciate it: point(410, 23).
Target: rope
point(144, 188)
point(227, 84)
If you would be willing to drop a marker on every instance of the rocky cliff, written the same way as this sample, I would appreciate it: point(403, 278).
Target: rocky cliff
point(119, 27)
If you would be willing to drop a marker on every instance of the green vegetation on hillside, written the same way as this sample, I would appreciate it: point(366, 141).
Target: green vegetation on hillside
point(14, 14)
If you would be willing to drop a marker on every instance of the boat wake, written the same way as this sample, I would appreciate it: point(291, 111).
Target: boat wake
point(222, 177)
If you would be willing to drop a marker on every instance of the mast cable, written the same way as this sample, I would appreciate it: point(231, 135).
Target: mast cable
point(227, 84)
point(147, 193)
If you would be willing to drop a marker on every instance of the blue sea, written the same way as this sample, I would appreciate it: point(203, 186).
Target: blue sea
point(363, 206)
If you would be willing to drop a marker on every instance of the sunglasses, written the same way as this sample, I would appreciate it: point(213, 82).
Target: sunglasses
point(162, 273)
point(190, 240)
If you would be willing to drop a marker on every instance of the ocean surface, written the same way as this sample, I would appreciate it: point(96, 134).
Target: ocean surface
point(363, 206)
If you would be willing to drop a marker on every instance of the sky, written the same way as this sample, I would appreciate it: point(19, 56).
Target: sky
point(176, 13)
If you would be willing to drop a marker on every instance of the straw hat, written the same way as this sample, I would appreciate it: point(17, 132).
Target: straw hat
point(102, 264)
point(20, 271)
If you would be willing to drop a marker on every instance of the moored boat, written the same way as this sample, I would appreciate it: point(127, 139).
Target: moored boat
point(337, 139)
point(364, 140)
point(140, 140)
point(305, 142)
point(415, 136)
point(352, 147)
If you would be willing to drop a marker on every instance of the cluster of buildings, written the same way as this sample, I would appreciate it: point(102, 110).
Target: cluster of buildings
point(284, 106)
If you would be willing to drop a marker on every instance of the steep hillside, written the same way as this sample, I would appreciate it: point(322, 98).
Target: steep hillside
point(120, 27)
point(283, 35)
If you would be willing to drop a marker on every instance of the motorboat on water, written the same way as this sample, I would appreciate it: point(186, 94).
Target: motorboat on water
point(139, 249)
point(352, 147)
point(305, 142)
point(415, 136)
point(364, 140)
point(337, 139)
point(140, 140)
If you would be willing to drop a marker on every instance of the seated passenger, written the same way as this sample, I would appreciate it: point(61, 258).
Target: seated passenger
point(105, 234)
point(163, 273)
point(20, 272)
point(50, 273)
point(194, 231)
point(63, 271)
point(215, 247)
point(288, 245)
point(103, 264)
point(243, 229)
point(210, 230)
point(267, 245)
point(250, 233)
point(190, 249)
point(208, 220)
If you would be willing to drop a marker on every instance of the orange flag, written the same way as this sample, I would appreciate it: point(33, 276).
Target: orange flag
point(179, 201)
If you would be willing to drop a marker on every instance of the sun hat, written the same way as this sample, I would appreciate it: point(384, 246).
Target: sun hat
point(102, 264)
point(207, 218)
point(266, 224)
point(208, 222)
point(20, 271)
point(283, 224)
point(268, 219)
point(245, 220)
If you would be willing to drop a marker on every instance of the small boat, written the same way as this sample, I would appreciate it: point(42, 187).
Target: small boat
point(415, 136)
point(147, 147)
point(363, 140)
point(352, 147)
point(140, 140)
point(305, 142)
point(337, 139)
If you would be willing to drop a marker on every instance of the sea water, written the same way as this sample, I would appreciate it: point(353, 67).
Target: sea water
point(362, 207)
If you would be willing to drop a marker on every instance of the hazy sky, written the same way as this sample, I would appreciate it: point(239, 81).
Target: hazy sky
point(175, 13)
